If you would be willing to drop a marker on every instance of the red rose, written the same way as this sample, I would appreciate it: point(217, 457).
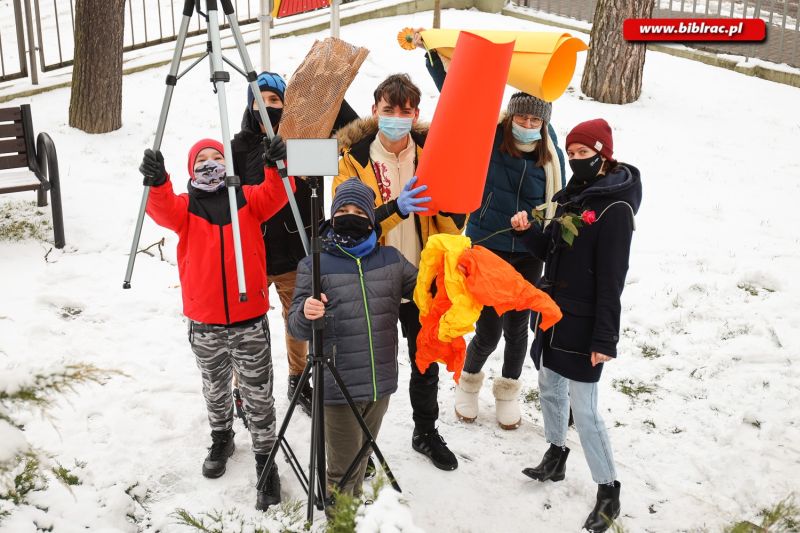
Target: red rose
point(589, 217)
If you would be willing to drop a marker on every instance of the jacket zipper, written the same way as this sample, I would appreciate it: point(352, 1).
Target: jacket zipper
point(224, 280)
point(369, 323)
point(369, 331)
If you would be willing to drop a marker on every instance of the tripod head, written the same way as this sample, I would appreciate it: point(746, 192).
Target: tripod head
point(190, 6)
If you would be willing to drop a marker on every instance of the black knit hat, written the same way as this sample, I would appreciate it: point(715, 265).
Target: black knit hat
point(353, 191)
point(526, 104)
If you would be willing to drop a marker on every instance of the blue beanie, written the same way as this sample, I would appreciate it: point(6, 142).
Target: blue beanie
point(353, 191)
point(267, 81)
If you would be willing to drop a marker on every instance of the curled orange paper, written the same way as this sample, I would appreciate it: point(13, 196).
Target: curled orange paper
point(466, 118)
point(542, 64)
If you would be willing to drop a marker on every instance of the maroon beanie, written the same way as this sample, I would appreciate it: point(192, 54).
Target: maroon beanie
point(596, 134)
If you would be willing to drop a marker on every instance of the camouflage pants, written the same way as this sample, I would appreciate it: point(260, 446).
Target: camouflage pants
point(219, 351)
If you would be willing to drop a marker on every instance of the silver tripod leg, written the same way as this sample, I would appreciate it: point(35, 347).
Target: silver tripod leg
point(262, 110)
point(162, 120)
point(220, 77)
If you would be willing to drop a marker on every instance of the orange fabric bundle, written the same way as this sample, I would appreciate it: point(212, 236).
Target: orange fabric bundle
point(477, 278)
point(429, 348)
point(494, 282)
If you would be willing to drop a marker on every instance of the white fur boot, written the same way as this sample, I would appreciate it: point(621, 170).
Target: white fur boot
point(469, 385)
point(506, 396)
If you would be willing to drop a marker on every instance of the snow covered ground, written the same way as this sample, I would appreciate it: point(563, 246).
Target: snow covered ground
point(707, 434)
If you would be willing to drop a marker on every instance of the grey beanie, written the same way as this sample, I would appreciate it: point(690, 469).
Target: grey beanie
point(354, 191)
point(526, 104)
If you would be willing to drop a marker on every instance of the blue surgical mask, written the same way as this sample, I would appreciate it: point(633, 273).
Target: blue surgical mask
point(525, 135)
point(395, 128)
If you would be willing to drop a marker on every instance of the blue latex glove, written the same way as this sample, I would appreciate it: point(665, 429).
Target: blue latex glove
point(409, 202)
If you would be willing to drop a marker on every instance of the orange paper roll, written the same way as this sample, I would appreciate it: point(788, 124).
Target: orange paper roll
point(456, 154)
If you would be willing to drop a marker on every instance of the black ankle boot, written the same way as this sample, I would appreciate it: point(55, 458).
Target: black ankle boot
point(304, 402)
point(552, 467)
point(222, 447)
point(271, 495)
point(605, 510)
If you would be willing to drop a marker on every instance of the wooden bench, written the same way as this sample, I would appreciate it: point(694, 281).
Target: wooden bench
point(25, 167)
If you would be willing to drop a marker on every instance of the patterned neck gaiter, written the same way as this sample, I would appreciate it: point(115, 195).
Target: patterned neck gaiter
point(209, 176)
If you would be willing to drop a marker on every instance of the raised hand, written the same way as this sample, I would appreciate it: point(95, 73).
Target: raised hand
point(152, 168)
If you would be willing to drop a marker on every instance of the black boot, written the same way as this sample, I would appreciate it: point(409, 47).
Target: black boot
point(222, 447)
point(304, 402)
point(433, 445)
point(271, 495)
point(605, 510)
point(553, 465)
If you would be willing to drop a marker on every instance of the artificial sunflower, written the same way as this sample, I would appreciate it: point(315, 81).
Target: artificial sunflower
point(405, 38)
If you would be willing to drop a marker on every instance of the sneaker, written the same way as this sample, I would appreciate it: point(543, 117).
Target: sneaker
point(304, 402)
point(222, 447)
point(433, 445)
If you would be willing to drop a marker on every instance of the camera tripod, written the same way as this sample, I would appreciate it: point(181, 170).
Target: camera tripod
point(218, 78)
point(316, 364)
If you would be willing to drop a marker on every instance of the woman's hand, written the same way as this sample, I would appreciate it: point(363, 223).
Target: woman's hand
point(417, 38)
point(520, 221)
point(598, 358)
point(313, 308)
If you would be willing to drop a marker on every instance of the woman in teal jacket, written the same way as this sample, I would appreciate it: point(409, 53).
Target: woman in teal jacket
point(525, 170)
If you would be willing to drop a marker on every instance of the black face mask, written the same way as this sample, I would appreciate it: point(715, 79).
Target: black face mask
point(353, 226)
point(274, 114)
point(586, 169)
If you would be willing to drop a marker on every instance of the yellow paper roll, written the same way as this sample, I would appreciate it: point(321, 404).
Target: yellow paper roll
point(542, 64)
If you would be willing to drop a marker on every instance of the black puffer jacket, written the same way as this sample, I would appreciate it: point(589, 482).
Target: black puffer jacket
point(360, 317)
point(284, 246)
point(586, 279)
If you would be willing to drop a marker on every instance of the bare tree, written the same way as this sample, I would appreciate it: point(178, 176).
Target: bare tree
point(95, 105)
point(437, 13)
point(614, 67)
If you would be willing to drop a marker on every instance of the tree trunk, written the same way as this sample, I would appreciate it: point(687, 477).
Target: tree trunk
point(437, 13)
point(614, 67)
point(95, 104)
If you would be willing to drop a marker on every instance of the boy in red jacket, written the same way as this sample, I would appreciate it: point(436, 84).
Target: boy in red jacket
point(225, 334)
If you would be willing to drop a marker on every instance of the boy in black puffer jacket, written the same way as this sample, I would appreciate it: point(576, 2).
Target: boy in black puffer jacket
point(281, 237)
point(362, 285)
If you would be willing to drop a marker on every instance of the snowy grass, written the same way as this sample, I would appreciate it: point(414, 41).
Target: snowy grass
point(20, 220)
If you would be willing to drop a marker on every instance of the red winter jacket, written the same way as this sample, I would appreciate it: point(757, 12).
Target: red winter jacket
point(206, 261)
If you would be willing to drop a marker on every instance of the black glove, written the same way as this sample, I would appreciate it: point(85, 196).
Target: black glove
point(276, 151)
point(152, 168)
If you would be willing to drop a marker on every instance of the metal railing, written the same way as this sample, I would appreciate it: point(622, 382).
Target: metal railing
point(147, 23)
point(12, 43)
point(781, 16)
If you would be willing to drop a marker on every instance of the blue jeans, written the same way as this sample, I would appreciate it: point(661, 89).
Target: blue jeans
point(557, 393)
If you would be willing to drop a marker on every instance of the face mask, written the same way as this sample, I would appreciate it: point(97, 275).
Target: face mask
point(274, 114)
point(209, 176)
point(586, 169)
point(525, 135)
point(353, 226)
point(395, 128)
